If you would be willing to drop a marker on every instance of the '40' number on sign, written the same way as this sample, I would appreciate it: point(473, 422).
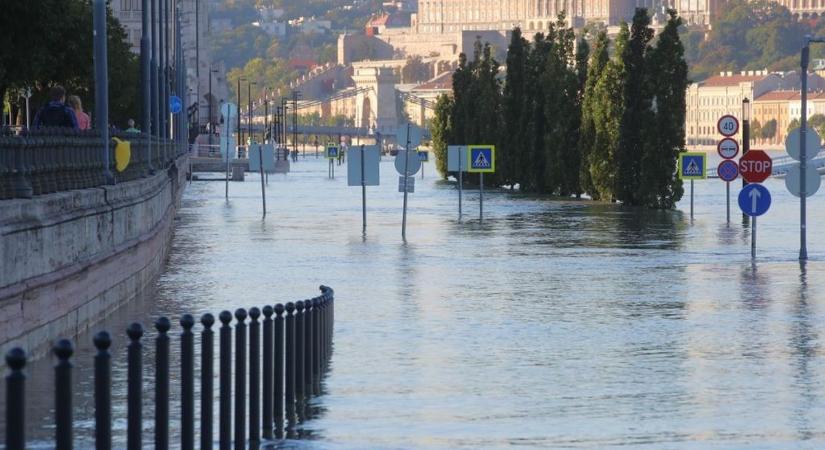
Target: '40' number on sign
point(728, 125)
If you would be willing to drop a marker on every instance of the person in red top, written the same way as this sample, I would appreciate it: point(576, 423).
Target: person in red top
point(83, 120)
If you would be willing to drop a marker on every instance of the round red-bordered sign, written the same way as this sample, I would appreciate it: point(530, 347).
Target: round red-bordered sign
point(727, 170)
point(727, 125)
point(727, 148)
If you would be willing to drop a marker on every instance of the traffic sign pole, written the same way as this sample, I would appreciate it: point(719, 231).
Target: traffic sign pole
point(691, 199)
point(481, 197)
point(406, 176)
point(753, 237)
point(460, 184)
point(727, 194)
point(803, 126)
point(363, 193)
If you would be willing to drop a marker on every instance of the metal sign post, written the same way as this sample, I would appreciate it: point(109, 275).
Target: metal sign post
point(455, 163)
point(263, 190)
point(406, 176)
point(692, 167)
point(481, 159)
point(363, 193)
point(754, 200)
point(227, 109)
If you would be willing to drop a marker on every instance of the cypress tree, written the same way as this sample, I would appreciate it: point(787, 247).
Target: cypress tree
point(513, 105)
point(608, 101)
point(638, 113)
point(534, 160)
point(590, 104)
point(669, 80)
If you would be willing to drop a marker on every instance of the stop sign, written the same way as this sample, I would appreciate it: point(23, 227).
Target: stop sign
point(755, 166)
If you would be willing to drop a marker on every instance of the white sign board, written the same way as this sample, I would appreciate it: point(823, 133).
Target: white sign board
point(456, 154)
point(228, 146)
point(812, 143)
point(255, 157)
point(372, 159)
point(793, 180)
point(410, 184)
point(228, 141)
point(412, 165)
point(414, 136)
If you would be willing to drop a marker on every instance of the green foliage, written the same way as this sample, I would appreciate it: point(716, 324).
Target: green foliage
point(769, 130)
point(49, 42)
point(415, 70)
point(267, 76)
point(575, 121)
point(817, 122)
point(792, 124)
point(441, 132)
point(748, 35)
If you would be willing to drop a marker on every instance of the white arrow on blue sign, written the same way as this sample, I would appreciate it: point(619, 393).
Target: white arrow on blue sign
point(175, 104)
point(754, 200)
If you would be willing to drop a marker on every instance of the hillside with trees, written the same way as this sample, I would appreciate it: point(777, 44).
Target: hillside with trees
point(750, 35)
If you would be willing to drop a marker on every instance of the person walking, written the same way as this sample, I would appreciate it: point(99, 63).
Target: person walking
point(55, 113)
point(84, 122)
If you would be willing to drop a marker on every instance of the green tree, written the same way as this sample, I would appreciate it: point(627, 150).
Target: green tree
point(792, 125)
point(637, 110)
point(608, 98)
point(666, 137)
point(514, 101)
point(441, 130)
point(769, 129)
point(597, 66)
point(415, 70)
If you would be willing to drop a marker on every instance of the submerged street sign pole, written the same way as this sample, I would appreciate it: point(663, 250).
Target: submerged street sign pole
point(406, 177)
point(363, 194)
point(481, 159)
point(692, 167)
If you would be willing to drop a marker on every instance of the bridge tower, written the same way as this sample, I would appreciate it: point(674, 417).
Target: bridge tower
point(375, 104)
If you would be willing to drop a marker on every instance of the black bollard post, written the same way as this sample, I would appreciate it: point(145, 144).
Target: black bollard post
point(289, 344)
point(225, 432)
point(16, 400)
point(323, 331)
point(299, 355)
point(187, 383)
point(267, 376)
point(135, 388)
point(316, 356)
point(254, 375)
point(279, 371)
point(63, 394)
point(308, 348)
point(207, 378)
point(162, 384)
point(240, 379)
point(103, 392)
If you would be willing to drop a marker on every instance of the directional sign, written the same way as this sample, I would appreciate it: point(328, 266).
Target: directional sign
point(692, 166)
point(412, 165)
point(754, 200)
point(424, 156)
point(268, 157)
point(755, 166)
point(728, 170)
point(456, 154)
point(794, 183)
point(372, 159)
point(812, 143)
point(727, 148)
point(727, 125)
point(175, 104)
point(410, 184)
point(332, 152)
point(482, 158)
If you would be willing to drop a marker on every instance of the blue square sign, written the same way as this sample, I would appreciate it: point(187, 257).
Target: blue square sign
point(482, 158)
point(692, 166)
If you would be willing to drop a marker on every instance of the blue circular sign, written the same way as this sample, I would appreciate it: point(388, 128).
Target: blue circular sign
point(728, 170)
point(175, 104)
point(754, 200)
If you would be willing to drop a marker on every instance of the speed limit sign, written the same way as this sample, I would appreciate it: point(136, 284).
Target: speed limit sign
point(727, 125)
point(727, 148)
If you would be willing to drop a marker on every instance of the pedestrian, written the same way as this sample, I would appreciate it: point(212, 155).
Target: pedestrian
point(131, 129)
point(84, 122)
point(56, 113)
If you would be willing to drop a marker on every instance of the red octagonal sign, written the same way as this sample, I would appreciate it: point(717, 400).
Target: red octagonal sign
point(755, 166)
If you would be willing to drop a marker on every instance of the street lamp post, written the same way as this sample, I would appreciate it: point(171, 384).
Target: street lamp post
point(240, 130)
point(209, 121)
point(249, 110)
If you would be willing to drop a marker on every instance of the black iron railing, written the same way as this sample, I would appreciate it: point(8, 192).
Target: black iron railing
point(61, 159)
point(282, 376)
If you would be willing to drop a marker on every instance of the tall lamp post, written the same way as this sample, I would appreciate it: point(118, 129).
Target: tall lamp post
point(746, 141)
point(209, 121)
point(249, 106)
point(240, 130)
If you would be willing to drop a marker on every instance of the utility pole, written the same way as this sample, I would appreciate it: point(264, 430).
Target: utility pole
point(249, 111)
point(198, 65)
point(240, 130)
point(101, 66)
point(295, 95)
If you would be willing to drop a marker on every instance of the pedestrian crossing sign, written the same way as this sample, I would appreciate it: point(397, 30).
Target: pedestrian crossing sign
point(692, 166)
point(332, 151)
point(482, 158)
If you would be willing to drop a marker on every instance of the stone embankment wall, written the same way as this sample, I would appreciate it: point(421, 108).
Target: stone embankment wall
point(71, 258)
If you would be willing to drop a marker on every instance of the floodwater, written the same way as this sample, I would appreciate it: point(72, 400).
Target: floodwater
point(549, 324)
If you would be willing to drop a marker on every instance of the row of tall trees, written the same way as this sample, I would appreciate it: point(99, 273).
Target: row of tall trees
point(569, 121)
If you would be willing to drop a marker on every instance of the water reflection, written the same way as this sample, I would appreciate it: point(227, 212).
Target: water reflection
point(549, 324)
